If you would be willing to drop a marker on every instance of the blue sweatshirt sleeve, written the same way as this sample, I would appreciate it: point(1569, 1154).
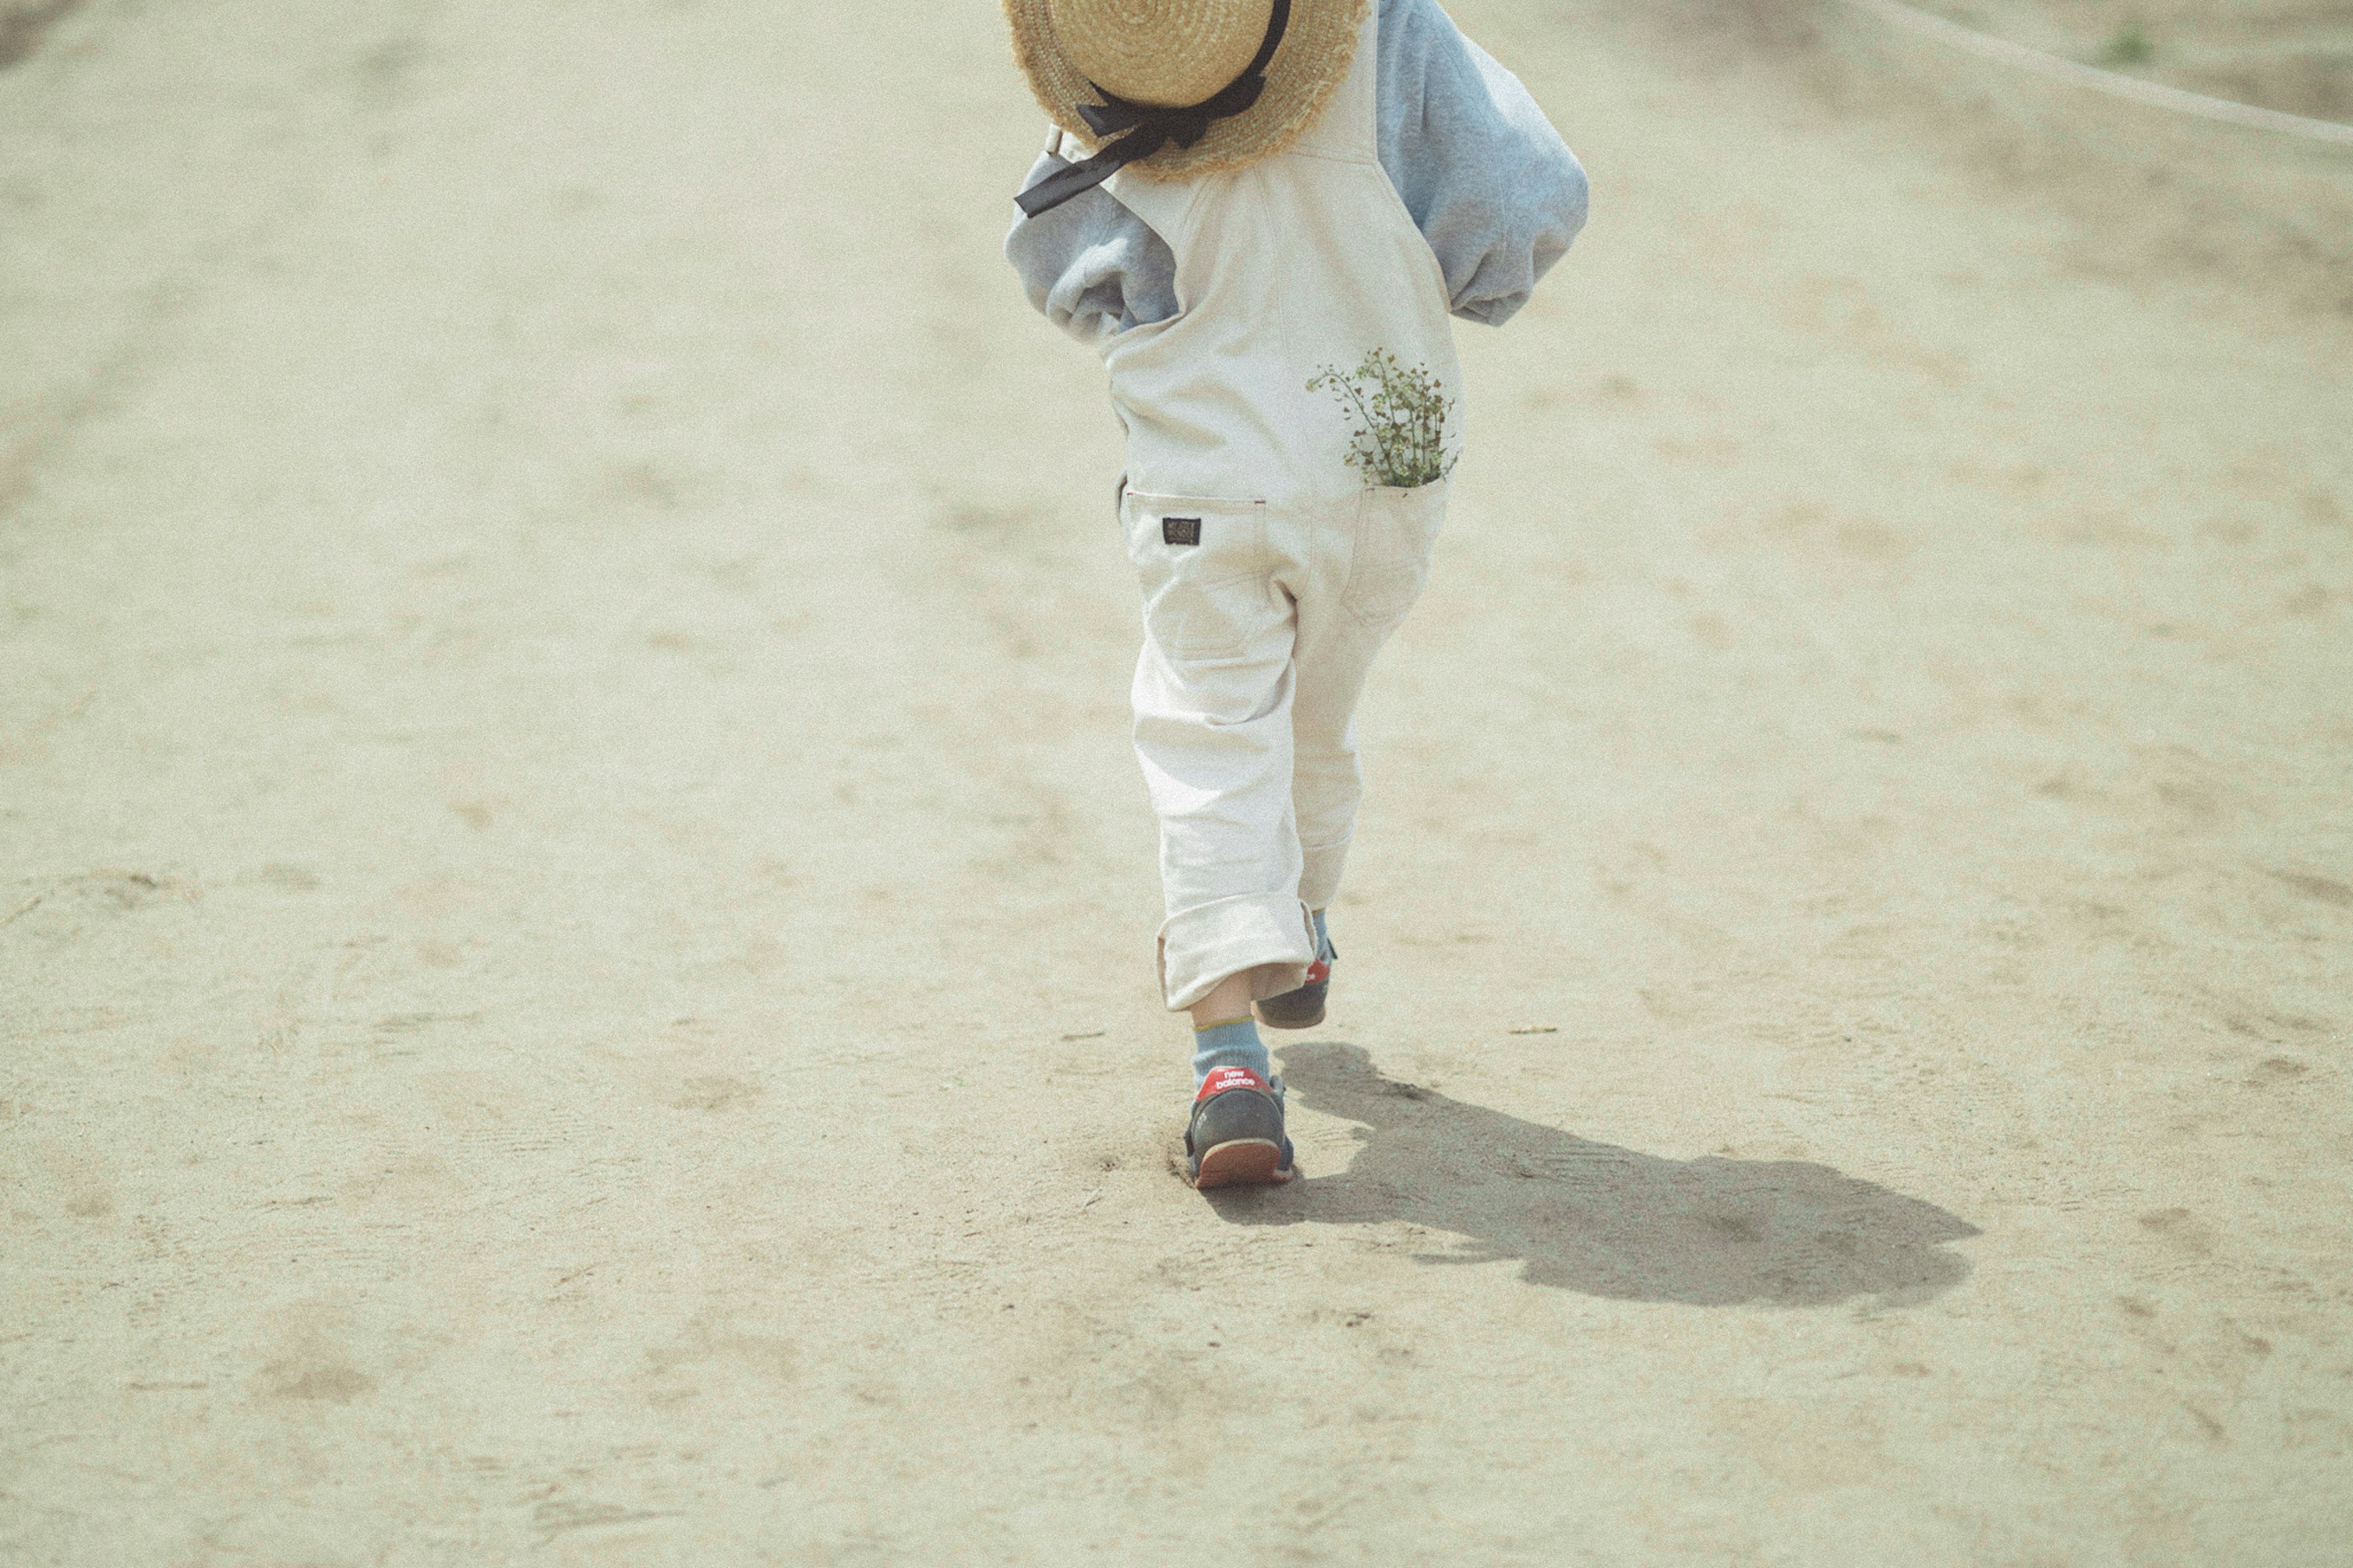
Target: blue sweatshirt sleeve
point(1488, 180)
point(1091, 266)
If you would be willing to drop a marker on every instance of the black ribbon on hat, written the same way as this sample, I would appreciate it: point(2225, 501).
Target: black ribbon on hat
point(1149, 128)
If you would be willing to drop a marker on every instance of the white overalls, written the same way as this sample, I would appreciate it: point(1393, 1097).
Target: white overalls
point(1273, 569)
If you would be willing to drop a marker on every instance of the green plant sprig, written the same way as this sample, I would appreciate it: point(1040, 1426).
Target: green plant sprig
point(1399, 414)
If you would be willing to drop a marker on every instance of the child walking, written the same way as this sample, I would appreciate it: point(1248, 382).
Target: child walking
point(1262, 214)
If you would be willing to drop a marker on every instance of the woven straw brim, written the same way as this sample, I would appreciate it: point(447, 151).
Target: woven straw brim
point(1308, 67)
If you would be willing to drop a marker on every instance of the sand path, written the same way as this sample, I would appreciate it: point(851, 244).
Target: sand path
point(577, 969)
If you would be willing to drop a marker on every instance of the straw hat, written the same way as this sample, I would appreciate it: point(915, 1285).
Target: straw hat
point(1123, 58)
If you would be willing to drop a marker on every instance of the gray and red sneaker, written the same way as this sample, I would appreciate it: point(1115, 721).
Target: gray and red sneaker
point(1303, 1008)
point(1236, 1138)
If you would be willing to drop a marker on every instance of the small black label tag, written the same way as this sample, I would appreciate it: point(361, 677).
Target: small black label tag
point(1180, 531)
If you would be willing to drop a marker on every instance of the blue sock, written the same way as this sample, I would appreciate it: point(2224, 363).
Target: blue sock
point(1322, 943)
point(1234, 1044)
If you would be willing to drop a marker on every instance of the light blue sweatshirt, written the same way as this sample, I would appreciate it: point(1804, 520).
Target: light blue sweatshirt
point(1486, 178)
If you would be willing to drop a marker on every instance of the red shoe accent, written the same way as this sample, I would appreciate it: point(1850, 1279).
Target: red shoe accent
point(1223, 1079)
point(1318, 972)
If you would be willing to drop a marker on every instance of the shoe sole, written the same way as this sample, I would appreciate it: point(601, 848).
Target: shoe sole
point(1289, 1023)
point(1242, 1162)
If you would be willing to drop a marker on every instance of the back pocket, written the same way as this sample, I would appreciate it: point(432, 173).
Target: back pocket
point(1395, 530)
point(1203, 568)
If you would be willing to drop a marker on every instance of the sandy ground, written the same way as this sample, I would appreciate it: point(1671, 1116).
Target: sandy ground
point(576, 954)
point(2290, 55)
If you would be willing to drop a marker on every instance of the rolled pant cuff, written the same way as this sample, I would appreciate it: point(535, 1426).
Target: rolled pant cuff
point(1206, 943)
point(1319, 880)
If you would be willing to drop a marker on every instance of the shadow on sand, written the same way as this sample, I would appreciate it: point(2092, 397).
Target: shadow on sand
point(1603, 1220)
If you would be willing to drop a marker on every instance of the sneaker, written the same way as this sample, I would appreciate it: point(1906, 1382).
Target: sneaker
point(1236, 1138)
point(1303, 1008)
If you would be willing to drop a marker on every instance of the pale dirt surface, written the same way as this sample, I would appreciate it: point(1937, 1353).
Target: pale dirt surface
point(577, 977)
point(2290, 55)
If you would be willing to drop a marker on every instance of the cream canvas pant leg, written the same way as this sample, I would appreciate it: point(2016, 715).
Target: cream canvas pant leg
point(1261, 623)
